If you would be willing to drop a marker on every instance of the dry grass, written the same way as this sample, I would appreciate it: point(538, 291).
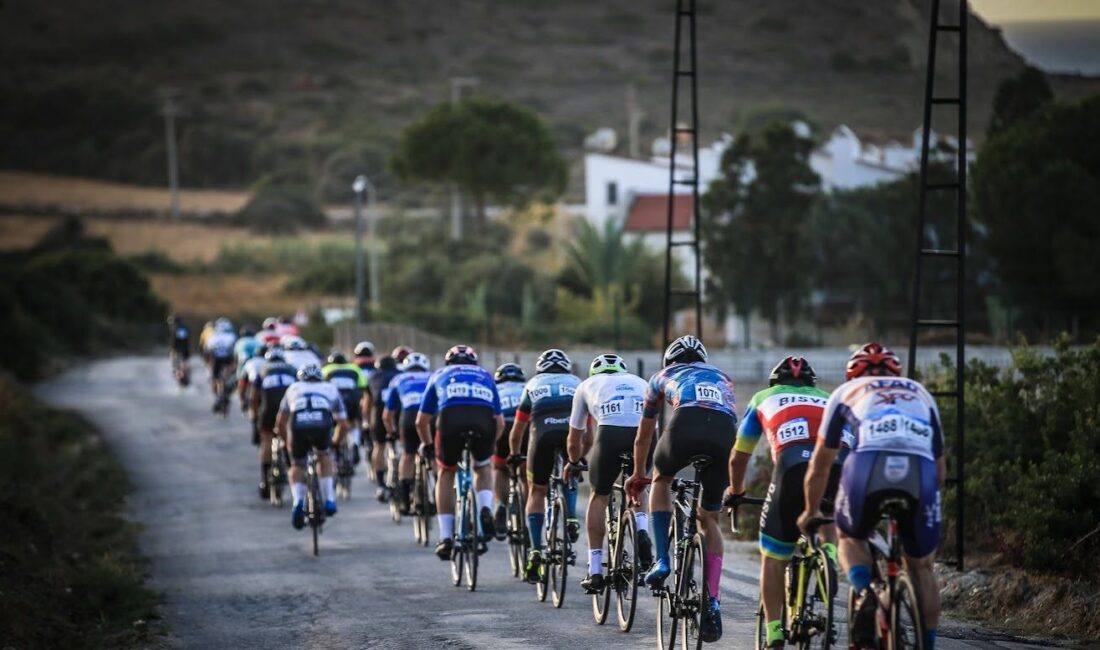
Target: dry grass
point(26, 189)
point(225, 294)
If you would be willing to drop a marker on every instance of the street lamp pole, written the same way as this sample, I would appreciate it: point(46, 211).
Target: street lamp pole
point(457, 84)
point(358, 186)
point(372, 249)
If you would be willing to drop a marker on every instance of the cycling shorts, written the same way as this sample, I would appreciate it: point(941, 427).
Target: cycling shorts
point(410, 439)
point(351, 407)
point(697, 431)
point(549, 431)
point(787, 499)
point(220, 364)
point(302, 440)
point(503, 445)
point(604, 460)
point(454, 421)
point(182, 348)
point(377, 427)
point(871, 478)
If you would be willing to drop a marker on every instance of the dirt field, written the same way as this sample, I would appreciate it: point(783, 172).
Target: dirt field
point(223, 294)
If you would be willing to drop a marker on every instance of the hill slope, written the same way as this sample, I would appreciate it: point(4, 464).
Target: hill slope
point(318, 89)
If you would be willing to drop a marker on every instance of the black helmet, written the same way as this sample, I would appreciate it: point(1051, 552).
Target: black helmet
point(386, 362)
point(246, 332)
point(509, 372)
point(337, 356)
point(793, 371)
point(686, 349)
point(553, 360)
point(460, 354)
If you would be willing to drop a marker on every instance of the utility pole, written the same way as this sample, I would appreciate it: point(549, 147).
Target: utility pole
point(457, 84)
point(171, 112)
point(358, 186)
point(634, 117)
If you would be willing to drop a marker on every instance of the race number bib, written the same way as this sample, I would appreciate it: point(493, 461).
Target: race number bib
point(708, 393)
point(896, 426)
point(611, 408)
point(411, 399)
point(508, 402)
point(793, 430)
point(344, 383)
point(469, 391)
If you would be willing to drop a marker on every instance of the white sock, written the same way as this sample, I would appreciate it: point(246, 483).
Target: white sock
point(641, 520)
point(328, 486)
point(485, 499)
point(298, 490)
point(354, 436)
point(446, 526)
point(595, 561)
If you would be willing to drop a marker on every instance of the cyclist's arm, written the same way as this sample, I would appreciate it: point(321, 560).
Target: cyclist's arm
point(642, 442)
point(429, 403)
point(423, 427)
point(389, 418)
point(366, 405)
point(515, 437)
point(499, 417)
point(821, 463)
point(280, 424)
point(748, 434)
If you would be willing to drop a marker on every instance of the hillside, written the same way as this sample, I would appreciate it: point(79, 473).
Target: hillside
point(317, 90)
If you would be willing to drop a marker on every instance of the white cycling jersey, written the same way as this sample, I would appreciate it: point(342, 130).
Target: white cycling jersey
point(315, 396)
point(611, 399)
point(299, 358)
point(252, 369)
point(220, 344)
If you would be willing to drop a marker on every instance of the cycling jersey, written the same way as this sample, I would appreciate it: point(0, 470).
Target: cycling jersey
point(407, 391)
point(788, 415)
point(892, 414)
point(220, 345)
point(347, 377)
point(511, 394)
point(611, 399)
point(547, 392)
point(272, 380)
point(299, 358)
point(312, 405)
point(251, 369)
point(268, 337)
point(245, 349)
point(181, 338)
point(690, 384)
point(460, 385)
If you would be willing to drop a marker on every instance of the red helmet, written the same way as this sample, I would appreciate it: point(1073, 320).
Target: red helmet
point(400, 352)
point(873, 359)
point(460, 354)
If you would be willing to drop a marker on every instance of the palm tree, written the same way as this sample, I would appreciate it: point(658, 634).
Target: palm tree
point(608, 264)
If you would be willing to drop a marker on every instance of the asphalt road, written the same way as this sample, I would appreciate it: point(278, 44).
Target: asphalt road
point(234, 574)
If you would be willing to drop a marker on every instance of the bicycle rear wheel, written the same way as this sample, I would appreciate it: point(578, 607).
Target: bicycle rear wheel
point(668, 607)
point(624, 571)
point(550, 533)
point(601, 602)
point(906, 630)
point(458, 554)
point(693, 593)
point(471, 540)
point(518, 541)
point(560, 549)
point(816, 624)
point(315, 514)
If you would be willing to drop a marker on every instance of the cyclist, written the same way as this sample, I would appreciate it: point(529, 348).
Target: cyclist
point(268, 388)
point(461, 397)
point(204, 335)
point(219, 347)
point(245, 348)
point(298, 352)
point(897, 450)
point(267, 335)
point(789, 414)
point(614, 398)
point(703, 422)
point(374, 402)
point(364, 357)
point(285, 327)
point(510, 381)
point(400, 353)
point(399, 415)
point(179, 342)
point(312, 406)
point(546, 401)
point(351, 382)
point(248, 372)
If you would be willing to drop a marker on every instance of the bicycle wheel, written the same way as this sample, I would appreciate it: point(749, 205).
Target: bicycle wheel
point(471, 540)
point(906, 630)
point(693, 593)
point(816, 628)
point(315, 513)
point(517, 531)
point(550, 535)
point(668, 607)
point(601, 602)
point(458, 555)
point(624, 571)
point(560, 554)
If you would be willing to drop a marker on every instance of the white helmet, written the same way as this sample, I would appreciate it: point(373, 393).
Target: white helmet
point(275, 353)
point(291, 342)
point(607, 364)
point(553, 360)
point(416, 360)
point(310, 372)
point(223, 325)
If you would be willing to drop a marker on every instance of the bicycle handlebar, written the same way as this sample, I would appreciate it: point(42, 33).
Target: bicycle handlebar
point(735, 501)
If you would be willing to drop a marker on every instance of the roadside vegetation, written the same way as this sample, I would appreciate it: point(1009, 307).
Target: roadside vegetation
point(70, 574)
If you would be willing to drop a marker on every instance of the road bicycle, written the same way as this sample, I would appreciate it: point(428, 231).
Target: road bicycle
point(468, 538)
point(315, 502)
point(519, 542)
point(423, 499)
point(181, 371)
point(344, 470)
point(393, 481)
point(559, 554)
point(624, 573)
point(899, 621)
point(277, 474)
point(681, 604)
point(809, 588)
point(222, 389)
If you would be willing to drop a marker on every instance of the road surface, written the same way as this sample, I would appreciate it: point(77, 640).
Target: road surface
point(234, 574)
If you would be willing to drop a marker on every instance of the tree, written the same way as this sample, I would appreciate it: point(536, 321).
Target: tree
point(491, 149)
point(1036, 190)
point(1019, 97)
point(754, 244)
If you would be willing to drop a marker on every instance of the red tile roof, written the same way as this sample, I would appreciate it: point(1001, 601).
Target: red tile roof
point(649, 213)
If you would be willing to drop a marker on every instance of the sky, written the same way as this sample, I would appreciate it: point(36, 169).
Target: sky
point(1014, 11)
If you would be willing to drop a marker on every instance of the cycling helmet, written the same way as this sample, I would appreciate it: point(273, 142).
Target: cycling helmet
point(246, 332)
point(385, 362)
point(553, 360)
point(270, 322)
point(686, 349)
point(275, 354)
point(509, 372)
point(223, 325)
point(872, 359)
point(310, 372)
point(260, 352)
point(416, 360)
point(364, 349)
point(293, 342)
point(793, 371)
point(460, 354)
point(606, 364)
point(337, 356)
point(400, 352)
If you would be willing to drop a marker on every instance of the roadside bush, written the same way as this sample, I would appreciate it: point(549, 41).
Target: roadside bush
point(281, 209)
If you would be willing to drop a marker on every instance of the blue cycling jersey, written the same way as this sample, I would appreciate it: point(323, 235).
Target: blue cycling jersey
point(407, 390)
point(690, 384)
point(511, 394)
point(460, 385)
point(548, 391)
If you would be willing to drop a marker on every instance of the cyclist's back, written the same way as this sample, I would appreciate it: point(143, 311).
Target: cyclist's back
point(349, 380)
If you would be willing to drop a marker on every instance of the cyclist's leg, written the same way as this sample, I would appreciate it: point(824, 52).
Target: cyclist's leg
point(378, 455)
point(500, 470)
point(299, 444)
point(667, 461)
point(322, 442)
point(778, 534)
point(603, 463)
point(540, 464)
point(410, 444)
point(448, 449)
point(919, 537)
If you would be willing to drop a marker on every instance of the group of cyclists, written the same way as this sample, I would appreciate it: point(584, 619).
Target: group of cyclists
point(876, 440)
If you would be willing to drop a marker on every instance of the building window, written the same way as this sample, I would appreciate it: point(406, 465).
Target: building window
point(612, 193)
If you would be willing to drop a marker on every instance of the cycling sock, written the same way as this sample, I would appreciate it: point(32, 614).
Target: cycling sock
point(298, 490)
point(446, 526)
point(265, 469)
point(929, 640)
point(595, 561)
point(570, 503)
point(713, 569)
point(859, 576)
point(660, 520)
point(485, 499)
point(775, 632)
point(830, 550)
point(534, 528)
point(328, 486)
point(641, 520)
point(380, 477)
